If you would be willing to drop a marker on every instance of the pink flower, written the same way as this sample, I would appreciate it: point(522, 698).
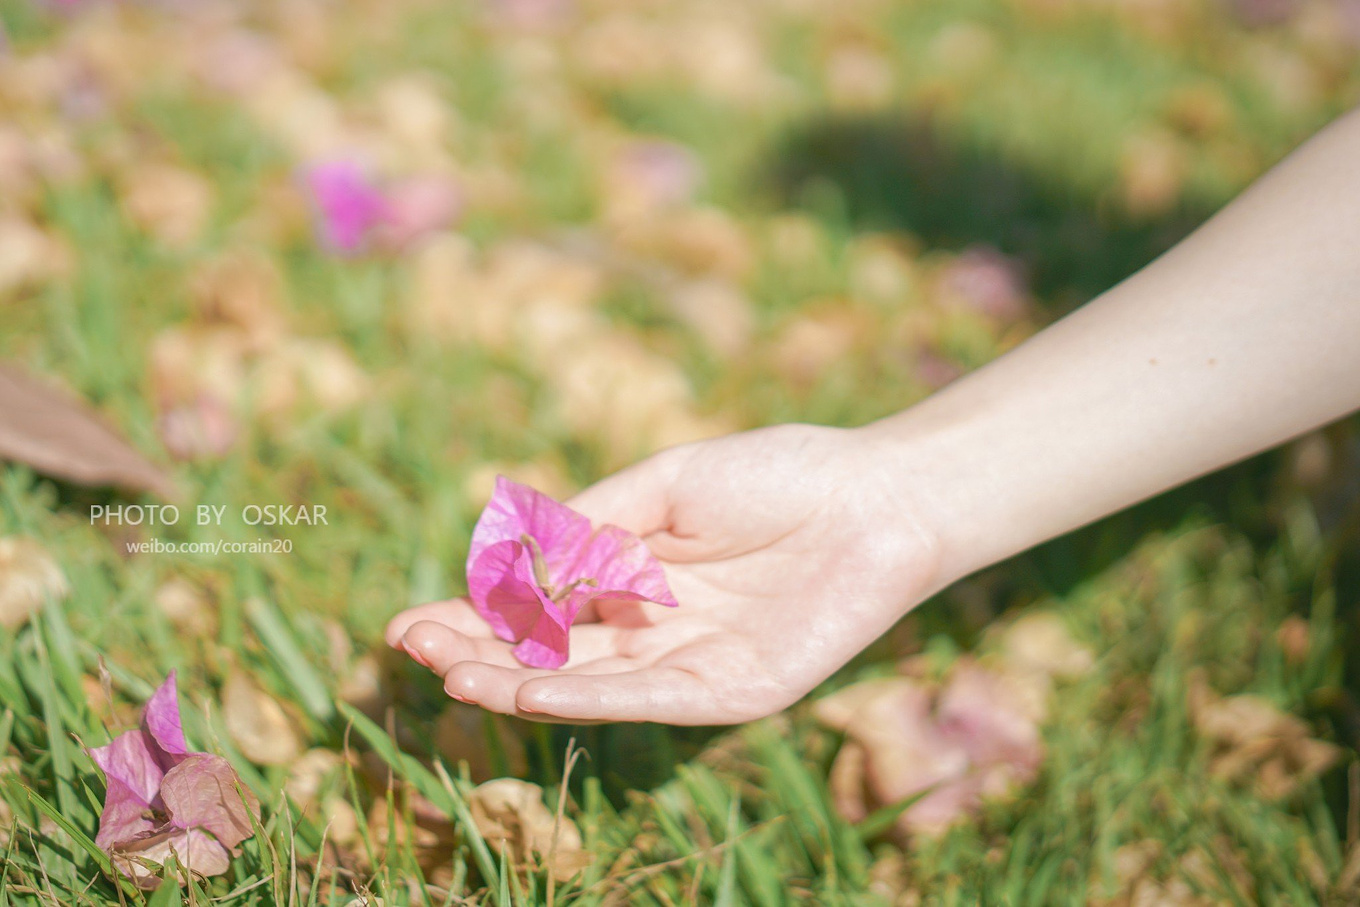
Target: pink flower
point(535, 563)
point(204, 429)
point(354, 212)
point(984, 281)
point(348, 205)
point(419, 206)
point(975, 739)
point(656, 174)
point(163, 799)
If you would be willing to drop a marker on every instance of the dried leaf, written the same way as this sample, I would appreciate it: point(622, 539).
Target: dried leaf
point(510, 815)
point(59, 435)
point(1040, 642)
point(429, 833)
point(168, 202)
point(186, 606)
point(718, 312)
point(257, 723)
point(28, 578)
point(1255, 741)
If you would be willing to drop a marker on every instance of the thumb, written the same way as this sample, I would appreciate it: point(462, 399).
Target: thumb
point(637, 498)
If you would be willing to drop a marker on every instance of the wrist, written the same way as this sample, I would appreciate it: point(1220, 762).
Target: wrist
point(938, 477)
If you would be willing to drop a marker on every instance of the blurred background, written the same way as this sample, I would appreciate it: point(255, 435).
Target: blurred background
point(369, 255)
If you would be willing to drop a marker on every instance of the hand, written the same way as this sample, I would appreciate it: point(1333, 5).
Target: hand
point(789, 548)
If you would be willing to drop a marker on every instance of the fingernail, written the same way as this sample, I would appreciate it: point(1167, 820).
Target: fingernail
point(525, 708)
point(462, 699)
point(416, 655)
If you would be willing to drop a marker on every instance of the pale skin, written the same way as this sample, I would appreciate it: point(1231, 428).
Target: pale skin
point(791, 548)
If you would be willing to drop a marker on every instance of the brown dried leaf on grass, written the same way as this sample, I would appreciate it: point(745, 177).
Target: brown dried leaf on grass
point(28, 255)
point(1252, 740)
point(257, 723)
point(169, 202)
point(186, 605)
point(1144, 876)
point(59, 435)
point(973, 736)
point(419, 825)
point(316, 784)
point(511, 816)
point(28, 577)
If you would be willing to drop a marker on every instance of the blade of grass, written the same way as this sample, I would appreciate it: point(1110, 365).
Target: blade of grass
point(278, 639)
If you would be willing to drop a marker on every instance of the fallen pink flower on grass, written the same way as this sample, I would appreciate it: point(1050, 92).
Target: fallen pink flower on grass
point(354, 212)
point(417, 207)
point(349, 206)
point(165, 800)
point(535, 563)
point(975, 739)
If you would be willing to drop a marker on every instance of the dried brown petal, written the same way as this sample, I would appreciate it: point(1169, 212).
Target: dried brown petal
point(57, 434)
point(204, 792)
point(1040, 642)
point(169, 202)
point(309, 773)
point(511, 816)
point(186, 605)
point(257, 723)
point(28, 578)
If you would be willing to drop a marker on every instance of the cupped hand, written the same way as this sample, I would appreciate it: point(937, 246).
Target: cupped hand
point(789, 549)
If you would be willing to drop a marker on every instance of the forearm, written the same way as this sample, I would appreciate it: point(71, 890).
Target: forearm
point(1239, 338)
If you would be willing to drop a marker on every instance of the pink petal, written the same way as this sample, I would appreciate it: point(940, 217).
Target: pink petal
point(991, 716)
point(420, 206)
point(501, 586)
point(160, 719)
point(195, 849)
point(985, 281)
point(130, 759)
point(506, 591)
point(517, 510)
point(503, 591)
point(622, 567)
point(348, 206)
point(546, 646)
point(204, 792)
point(124, 816)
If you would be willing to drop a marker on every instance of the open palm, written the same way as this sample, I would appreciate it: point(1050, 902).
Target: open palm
point(787, 549)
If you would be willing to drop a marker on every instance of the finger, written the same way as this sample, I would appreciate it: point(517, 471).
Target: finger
point(636, 498)
point(439, 648)
point(456, 614)
point(494, 687)
point(663, 695)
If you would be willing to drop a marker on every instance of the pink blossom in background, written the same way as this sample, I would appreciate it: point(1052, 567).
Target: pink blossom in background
point(236, 61)
point(1262, 13)
point(202, 430)
point(349, 207)
point(535, 563)
point(419, 206)
point(163, 799)
point(657, 173)
point(531, 15)
point(935, 370)
point(355, 212)
point(981, 279)
point(1349, 11)
point(976, 738)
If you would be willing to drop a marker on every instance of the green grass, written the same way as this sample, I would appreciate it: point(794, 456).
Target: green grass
point(740, 817)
